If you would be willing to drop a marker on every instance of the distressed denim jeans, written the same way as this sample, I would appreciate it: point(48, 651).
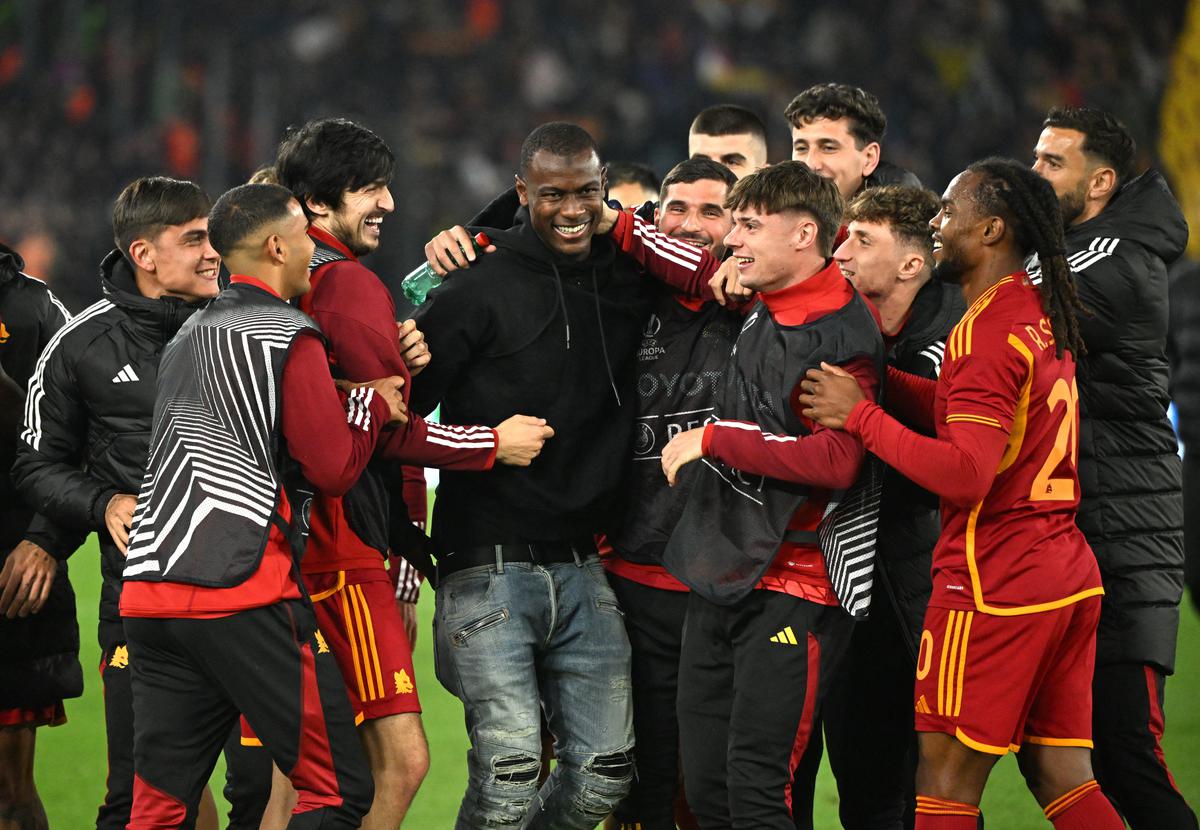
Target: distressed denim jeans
point(513, 643)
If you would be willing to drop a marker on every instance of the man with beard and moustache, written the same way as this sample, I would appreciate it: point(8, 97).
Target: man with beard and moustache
point(39, 636)
point(1011, 624)
point(526, 621)
point(1121, 232)
point(340, 171)
point(82, 452)
point(888, 257)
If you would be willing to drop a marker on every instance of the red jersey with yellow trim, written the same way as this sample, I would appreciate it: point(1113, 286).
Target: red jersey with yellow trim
point(1018, 551)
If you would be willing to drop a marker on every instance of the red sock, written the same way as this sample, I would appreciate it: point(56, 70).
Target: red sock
point(1084, 808)
point(942, 814)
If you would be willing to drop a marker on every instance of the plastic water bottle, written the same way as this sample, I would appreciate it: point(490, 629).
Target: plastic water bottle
point(423, 279)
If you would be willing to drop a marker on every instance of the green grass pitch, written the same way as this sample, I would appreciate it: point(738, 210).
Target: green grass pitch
point(71, 765)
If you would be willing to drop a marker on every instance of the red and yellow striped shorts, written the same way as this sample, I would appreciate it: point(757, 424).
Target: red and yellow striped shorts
point(996, 682)
point(358, 621)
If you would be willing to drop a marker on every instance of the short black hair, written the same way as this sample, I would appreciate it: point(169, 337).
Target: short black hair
point(328, 157)
point(242, 211)
point(695, 170)
point(792, 185)
point(561, 138)
point(729, 119)
point(833, 101)
point(148, 205)
point(1104, 136)
point(632, 172)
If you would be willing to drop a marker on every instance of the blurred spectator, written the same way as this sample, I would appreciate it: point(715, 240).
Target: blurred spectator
point(632, 184)
point(40, 252)
point(103, 92)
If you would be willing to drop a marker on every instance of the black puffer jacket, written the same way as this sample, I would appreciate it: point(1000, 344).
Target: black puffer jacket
point(87, 428)
point(1131, 509)
point(909, 521)
point(39, 654)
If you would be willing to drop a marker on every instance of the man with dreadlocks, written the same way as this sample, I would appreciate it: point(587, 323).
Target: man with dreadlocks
point(1009, 642)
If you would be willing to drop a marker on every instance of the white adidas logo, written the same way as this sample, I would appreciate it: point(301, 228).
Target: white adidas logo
point(126, 375)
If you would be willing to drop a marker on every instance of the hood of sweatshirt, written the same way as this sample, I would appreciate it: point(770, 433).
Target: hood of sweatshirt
point(1144, 211)
point(159, 318)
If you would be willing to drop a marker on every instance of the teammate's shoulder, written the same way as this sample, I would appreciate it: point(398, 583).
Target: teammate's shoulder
point(984, 328)
point(33, 292)
point(349, 272)
point(349, 281)
point(75, 340)
point(97, 318)
point(1013, 296)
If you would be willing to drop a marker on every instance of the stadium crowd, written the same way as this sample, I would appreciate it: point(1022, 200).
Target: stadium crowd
point(109, 91)
point(781, 454)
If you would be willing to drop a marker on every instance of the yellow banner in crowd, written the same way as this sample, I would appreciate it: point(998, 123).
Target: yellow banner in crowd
point(1179, 145)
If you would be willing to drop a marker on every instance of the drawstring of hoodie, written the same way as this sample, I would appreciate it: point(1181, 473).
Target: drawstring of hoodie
point(562, 302)
point(603, 343)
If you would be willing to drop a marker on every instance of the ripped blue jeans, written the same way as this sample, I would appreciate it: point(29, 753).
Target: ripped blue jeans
point(536, 638)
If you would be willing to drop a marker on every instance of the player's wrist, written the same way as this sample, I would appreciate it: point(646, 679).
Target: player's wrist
point(858, 414)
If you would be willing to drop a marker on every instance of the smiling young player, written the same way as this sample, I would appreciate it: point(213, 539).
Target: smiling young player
point(82, 453)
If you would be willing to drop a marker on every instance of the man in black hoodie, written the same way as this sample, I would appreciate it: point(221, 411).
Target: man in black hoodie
point(1121, 233)
point(82, 453)
point(549, 325)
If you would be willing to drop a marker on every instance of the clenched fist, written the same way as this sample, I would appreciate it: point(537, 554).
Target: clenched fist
point(520, 439)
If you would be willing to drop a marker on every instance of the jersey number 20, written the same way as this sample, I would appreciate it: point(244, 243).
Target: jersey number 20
point(1044, 487)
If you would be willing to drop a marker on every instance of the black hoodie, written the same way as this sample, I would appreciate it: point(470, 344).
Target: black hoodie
point(527, 331)
point(87, 428)
point(909, 519)
point(1131, 508)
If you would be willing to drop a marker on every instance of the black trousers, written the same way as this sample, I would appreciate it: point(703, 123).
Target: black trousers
point(751, 679)
point(247, 782)
point(654, 622)
point(118, 732)
point(868, 719)
point(1127, 725)
point(247, 769)
point(191, 679)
